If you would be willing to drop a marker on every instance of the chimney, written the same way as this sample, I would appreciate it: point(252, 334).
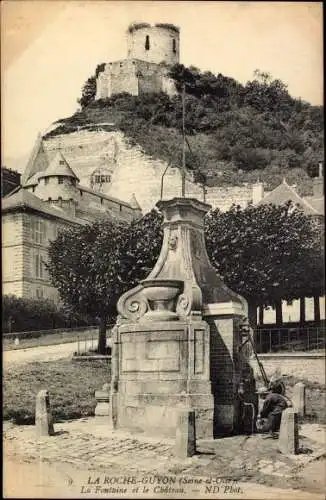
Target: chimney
point(257, 192)
point(318, 182)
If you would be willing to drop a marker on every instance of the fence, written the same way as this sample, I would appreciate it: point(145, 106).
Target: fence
point(308, 338)
point(34, 334)
point(90, 344)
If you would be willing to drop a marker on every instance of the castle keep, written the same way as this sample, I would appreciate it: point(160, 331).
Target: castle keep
point(151, 51)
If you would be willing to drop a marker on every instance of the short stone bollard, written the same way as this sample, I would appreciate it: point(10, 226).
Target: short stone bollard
point(43, 415)
point(299, 399)
point(185, 438)
point(288, 441)
point(102, 397)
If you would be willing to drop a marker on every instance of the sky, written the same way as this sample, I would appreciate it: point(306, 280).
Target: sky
point(50, 48)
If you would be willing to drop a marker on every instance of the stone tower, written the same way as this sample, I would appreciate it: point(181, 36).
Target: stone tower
point(152, 50)
point(156, 44)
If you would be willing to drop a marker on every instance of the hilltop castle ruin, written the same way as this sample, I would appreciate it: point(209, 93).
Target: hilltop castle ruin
point(152, 50)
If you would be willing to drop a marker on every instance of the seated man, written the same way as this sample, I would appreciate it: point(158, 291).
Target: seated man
point(271, 413)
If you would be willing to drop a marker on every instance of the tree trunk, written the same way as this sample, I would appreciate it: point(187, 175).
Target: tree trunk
point(302, 311)
point(101, 348)
point(316, 309)
point(252, 314)
point(279, 315)
point(261, 315)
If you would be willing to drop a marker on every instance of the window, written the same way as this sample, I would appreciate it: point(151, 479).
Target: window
point(81, 193)
point(61, 162)
point(174, 46)
point(97, 179)
point(147, 46)
point(46, 180)
point(38, 228)
point(60, 180)
point(39, 293)
point(38, 266)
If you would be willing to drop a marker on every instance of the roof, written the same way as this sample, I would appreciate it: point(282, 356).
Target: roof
point(38, 161)
point(284, 193)
point(58, 167)
point(105, 196)
point(22, 199)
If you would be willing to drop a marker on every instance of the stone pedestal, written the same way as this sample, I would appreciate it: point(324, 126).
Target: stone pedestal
point(176, 344)
point(163, 367)
point(103, 408)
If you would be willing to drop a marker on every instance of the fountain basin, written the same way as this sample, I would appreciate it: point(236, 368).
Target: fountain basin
point(161, 296)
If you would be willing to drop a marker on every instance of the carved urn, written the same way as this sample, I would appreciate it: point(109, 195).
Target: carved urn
point(161, 296)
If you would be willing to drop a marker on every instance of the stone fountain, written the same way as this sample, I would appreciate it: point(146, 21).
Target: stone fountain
point(176, 344)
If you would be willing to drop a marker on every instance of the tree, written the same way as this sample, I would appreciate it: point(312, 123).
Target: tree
point(84, 265)
point(88, 92)
point(92, 265)
point(265, 253)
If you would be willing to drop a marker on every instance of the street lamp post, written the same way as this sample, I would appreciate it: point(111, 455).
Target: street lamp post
point(183, 171)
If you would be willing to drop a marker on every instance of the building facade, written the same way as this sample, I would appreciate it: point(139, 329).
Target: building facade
point(49, 200)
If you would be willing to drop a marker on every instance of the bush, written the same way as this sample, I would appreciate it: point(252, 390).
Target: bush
point(20, 314)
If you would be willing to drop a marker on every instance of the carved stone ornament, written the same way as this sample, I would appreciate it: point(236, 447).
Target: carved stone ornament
point(173, 242)
point(133, 304)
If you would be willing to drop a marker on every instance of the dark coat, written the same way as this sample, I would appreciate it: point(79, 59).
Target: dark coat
point(273, 404)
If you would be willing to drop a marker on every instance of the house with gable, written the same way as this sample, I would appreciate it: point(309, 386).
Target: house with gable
point(49, 199)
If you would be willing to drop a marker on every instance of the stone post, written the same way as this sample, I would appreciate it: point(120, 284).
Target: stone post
point(288, 441)
point(299, 399)
point(103, 402)
point(43, 415)
point(185, 438)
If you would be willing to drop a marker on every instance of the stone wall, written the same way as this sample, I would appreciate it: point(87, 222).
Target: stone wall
point(134, 77)
point(306, 366)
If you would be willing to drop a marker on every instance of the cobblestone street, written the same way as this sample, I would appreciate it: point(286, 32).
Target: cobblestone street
point(82, 450)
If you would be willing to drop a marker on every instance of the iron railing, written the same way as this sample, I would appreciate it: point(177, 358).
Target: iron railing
point(89, 345)
point(289, 339)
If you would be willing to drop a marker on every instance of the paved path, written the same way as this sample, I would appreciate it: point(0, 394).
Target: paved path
point(42, 353)
point(86, 459)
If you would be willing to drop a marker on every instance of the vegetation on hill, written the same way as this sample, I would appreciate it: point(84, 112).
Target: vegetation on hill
point(235, 133)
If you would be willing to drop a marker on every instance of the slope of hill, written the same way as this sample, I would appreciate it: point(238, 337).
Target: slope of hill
point(235, 133)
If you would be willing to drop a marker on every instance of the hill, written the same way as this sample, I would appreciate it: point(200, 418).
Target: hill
point(235, 133)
